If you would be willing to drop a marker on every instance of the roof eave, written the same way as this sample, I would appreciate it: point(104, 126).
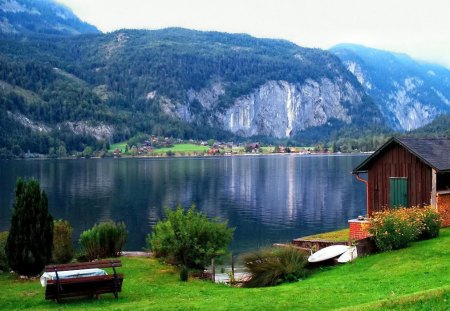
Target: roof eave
point(359, 168)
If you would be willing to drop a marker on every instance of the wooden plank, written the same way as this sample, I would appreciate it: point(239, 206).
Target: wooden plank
point(84, 265)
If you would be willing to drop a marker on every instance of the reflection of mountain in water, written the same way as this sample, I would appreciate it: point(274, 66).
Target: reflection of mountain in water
point(267, 199)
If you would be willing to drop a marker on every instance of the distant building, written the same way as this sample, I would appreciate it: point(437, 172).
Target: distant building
point(252, 147)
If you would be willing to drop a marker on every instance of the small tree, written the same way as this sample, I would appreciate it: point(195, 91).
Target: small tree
point(3, 259)
point(88, 151)
point(62, 242)
point(30, 239)
point(189, 239)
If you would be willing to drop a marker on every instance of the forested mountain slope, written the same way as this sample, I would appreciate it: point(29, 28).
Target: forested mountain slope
point(39, 17)
point(175, 82)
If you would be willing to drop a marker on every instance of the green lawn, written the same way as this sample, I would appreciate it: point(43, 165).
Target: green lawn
point(177, 148)
point(183, 148)
point(121, 146)
point(415, 278)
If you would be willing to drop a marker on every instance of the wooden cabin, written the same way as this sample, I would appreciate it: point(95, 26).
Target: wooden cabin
point(408, 172)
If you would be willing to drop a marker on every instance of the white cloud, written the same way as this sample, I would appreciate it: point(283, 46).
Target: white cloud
point(418, 28)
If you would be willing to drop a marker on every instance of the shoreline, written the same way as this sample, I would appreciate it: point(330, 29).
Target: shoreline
point(195, 156)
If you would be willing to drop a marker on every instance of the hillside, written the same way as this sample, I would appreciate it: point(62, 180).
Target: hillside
point(39, 17)
point(409, 93)
point(73, 91)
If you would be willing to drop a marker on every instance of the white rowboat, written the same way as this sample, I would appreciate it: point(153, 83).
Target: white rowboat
point(349, 255)
point(328, 253)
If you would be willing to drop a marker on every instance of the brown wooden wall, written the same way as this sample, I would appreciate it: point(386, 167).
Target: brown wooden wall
point(396, 161)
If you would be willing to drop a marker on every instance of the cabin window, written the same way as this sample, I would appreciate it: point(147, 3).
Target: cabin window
point(398, 187)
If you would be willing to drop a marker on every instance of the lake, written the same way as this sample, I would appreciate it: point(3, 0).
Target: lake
point(268, 199)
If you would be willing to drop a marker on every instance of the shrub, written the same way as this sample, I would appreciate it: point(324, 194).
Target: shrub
point(62, 241)
point(272, 266)
point(3, 259)
point(30, 239)
point(430, 220)
point(103, 240)
point(394, 229)
point(189, 239)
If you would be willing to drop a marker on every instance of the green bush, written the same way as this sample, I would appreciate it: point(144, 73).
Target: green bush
point(62, 242)
point(103, 240)
point(189, 239)
point(3, 259)
point(396, 228)
point(30, 240)
point(272, 266)
point(431, 223)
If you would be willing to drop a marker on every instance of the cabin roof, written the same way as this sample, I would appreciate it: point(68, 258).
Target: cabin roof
point(433, 152)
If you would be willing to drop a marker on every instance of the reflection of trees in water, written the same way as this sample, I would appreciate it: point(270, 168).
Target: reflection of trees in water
point(266, 198)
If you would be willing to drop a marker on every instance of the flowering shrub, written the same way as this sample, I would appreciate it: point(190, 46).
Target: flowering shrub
point(431, 222)
point(394, 229)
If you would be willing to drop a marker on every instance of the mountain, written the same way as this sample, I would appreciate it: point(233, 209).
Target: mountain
point(173, 82)
point(409, 93)
point(40, 17)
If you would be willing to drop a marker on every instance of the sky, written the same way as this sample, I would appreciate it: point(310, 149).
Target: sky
point(419, 28)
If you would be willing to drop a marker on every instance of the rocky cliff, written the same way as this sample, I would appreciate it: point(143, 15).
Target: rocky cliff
point(276, 108)
point(280, 108)
point(409, 93)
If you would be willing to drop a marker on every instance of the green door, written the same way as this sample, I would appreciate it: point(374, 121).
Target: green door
point(398, 191)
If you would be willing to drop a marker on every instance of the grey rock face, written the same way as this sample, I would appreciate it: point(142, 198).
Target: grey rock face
point(403, 109)
point(409, 94)
point(277, 108)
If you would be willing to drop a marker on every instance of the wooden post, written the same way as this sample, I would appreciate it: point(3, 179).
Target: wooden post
point(213, 271)
point(232, 266)
point(433, 188)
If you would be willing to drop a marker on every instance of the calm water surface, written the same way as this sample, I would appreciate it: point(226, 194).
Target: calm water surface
point(267, 198)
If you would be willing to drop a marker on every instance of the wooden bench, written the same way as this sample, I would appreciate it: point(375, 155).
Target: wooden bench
point(91, 286)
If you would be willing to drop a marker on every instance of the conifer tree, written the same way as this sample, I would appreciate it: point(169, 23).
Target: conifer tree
point(30, 240)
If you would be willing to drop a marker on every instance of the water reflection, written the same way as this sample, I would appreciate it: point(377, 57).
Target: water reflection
point(267, 198)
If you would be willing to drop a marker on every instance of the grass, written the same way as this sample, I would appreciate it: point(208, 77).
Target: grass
point(336, 236)
point(177, 148)
point(182, 148)
point(120, 146)
point(415, 278)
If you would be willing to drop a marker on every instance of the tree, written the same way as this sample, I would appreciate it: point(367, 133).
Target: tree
point(62, 241)
point(87, 152)
point(61, 152)
point(30, 240)
point(189, 239)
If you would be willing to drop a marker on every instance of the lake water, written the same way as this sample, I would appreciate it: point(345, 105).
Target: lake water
point(268, 199)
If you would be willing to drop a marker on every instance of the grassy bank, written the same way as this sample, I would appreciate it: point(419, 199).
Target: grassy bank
point(415, 278)
point(336, 236)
